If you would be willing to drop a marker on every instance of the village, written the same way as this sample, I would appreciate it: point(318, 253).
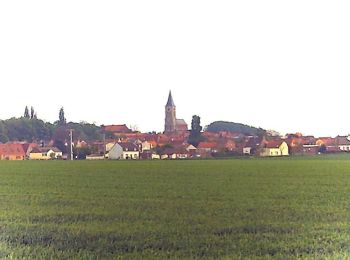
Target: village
point(124, 143)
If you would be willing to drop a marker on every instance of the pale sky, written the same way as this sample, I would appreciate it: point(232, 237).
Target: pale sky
point(282, 65)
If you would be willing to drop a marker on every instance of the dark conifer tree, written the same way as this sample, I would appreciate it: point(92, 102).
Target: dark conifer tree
point(26, 112)
point(61, 117)
point(195, 135)
point(32, 112)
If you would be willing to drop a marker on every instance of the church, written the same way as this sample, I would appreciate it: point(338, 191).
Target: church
point(172, 124)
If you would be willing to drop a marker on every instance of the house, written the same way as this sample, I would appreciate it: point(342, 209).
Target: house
point(148, 155)
point(207, 147)
point(109, 146)
point(310, 149)
point(251, 145)
point(275, 148)
point(191, 150)
point(229, 145)
point(326, 141)
point(45, 153)
point(343, 143)
point(124, 151)
point(175, 153)
point(146, 146)
point(93, 157)
point(117, 129)
point(11, 152)
point(116, 152)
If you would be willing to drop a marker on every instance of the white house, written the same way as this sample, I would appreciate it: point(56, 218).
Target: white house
point(343, 143)
point(124, 151)
point(45, 153)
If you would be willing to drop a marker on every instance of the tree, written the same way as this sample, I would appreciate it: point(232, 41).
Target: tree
point(26, 112)
point(61, 118)
point(223, 126)
point(196, 131)
point(32, 112)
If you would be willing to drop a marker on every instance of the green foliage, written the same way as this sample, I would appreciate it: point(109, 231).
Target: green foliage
point(195, 135)
point(61, 118)
point(3, 132)
point(32, 113)
point(81, 152)
point(214, 209)
point(26, 129)
point(26, 113)
point(219, 126)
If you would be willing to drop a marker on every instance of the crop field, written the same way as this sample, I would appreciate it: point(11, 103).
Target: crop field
point(247, 208)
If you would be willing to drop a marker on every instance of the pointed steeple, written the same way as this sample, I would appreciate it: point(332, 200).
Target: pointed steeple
point(170, 102)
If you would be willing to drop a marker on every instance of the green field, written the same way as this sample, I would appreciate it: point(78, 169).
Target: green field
point(249, 208)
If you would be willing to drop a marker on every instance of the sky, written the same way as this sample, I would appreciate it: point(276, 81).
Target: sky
point(281, 65)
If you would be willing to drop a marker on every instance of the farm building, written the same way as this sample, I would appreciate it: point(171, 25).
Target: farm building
point(12, 152)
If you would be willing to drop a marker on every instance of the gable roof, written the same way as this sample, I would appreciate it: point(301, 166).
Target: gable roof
point(117, 128)
point(274, 144)
point(12, 149)
point(207, 145)
point(342, 140)
point(45, 150)
point(129, 147)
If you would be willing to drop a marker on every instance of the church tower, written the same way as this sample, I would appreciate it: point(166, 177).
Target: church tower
point(170, 115)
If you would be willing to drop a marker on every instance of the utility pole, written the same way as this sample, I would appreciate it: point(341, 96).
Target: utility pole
point(104, 145)
point(71, 143)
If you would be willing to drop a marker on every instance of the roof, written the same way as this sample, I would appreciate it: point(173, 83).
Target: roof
point(27, 147)
point(175, 150)
point(170, 102)
point(12, 149)
point(181, 125)
point(129, 146)
point(274, 144)
point(180, 122)
point(325, 141)
point(342, 140)
point(117, 128)
point(207, 145)
point(253, 142)
point(45, 150)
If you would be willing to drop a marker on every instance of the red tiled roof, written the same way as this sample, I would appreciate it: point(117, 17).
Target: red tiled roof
point(207, 145)
point(325, 141)
point(11, 149)
point(274, 144)
point(117, 128)
point(342, 140)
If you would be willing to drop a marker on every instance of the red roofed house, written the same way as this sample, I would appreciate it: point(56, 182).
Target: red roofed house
point(206, 148)
point(274, 148)
point(117, 129)
point(12, 152)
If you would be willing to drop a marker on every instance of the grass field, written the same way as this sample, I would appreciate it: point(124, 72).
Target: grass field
point(253, 208)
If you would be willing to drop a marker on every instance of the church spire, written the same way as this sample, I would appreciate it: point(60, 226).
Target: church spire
point(170, 102)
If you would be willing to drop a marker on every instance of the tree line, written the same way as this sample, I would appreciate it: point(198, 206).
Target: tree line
point(32, 129)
